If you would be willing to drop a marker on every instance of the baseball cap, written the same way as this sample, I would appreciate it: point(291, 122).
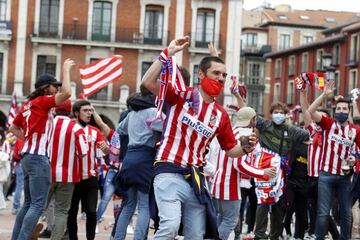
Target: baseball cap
point(244, 116)
point(45, 79)
point(64, 107)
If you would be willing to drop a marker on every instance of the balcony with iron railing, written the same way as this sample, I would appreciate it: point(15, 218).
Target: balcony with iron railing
point(199, 41)
point(70, 33)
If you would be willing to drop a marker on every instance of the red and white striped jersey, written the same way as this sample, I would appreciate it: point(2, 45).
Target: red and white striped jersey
point(89, 163)
point(68, 147)
point(338, 142)
point(314, 150)
point(36, 121)
point(186, 133)
point(226, 185)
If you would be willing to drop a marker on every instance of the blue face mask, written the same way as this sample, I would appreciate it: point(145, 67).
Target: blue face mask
point(278, 118)
point(341, 117)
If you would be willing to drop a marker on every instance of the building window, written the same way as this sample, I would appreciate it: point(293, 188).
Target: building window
point(336, 82)
point(154, 20)
point(254, 73)
point(195, 75)
point(101, 25)
point(336, 55)
point(205, 25)
point(102, 93)
point(284, 41)
point(277, 92)
point(352, 80)
point(277, 68)
point(49, 17)
point(354, 48)
point(144, 67)
point(255, 100)
point(1, 69)
point(3, 10)
point(290, 92)
point(319, 59)
point(304, 62)
point(46, 64)
point(251, 39)
point(308, 39)
point(291, 70)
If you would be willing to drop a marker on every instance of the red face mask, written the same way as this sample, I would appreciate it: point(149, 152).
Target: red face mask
point(211, 87)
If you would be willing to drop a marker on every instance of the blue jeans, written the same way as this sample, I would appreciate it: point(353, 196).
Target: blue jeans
point(36, 188)
point(132, 196)
point(19, 187)
point(227, 216)
point(331, 186)
point(176, 199)
point(109, 190)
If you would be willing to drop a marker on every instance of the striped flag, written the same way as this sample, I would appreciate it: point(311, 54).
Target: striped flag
point(100, 73)
point(13, 110)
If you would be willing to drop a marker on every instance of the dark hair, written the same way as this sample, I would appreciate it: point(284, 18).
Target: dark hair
point(185, 73)
point(40, 91)
point(343, 100)
point(2, 134)
point(144, 91)
point(323, 110)
point(62, 113)
point(278, 105)
point(205, 63)
point(78, 104)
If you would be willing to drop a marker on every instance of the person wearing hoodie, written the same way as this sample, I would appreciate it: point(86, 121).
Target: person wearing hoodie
point(137, 168)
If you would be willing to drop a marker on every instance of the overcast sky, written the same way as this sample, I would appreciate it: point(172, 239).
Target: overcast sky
point(334, 5)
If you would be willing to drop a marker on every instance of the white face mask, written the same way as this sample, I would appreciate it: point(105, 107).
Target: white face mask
point(278, 118)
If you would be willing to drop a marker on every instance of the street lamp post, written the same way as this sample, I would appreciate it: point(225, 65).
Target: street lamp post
point(329, 70)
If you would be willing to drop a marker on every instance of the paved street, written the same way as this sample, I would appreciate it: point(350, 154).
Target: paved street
point(7, 222)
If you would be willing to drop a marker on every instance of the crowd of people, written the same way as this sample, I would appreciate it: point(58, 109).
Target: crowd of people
point(182, 163)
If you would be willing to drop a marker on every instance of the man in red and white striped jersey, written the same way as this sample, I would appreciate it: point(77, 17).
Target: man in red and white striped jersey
point(87, 189)
point(194, 119)
point(226, 188)
point(339, 137)
point(67, 147)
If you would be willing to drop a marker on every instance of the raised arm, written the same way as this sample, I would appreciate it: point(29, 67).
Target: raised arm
point(151, 77)
point(104, 128)
point(316, 116)
point(65, 90)
point(304, 107)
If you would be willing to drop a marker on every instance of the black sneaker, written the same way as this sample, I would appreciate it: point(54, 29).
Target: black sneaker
point(45, 234)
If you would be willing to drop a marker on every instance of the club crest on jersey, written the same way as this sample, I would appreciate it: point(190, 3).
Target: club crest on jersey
point(212, 121)
point(197, 125)
point(350, 134)
point(27, 106)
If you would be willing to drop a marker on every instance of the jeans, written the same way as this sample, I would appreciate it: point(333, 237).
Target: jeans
point(132, 197)
point(176, 199)
point(227, 216)
point(19, 187)
point(109, 190)
point(85, 191)
point(36, 188)
point(331, 185)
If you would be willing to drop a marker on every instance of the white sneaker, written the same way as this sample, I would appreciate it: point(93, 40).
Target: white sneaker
point(97, 229)
point(130, 229)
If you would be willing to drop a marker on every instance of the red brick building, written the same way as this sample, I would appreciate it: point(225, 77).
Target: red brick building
point(36, 36)
point(341, 43)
